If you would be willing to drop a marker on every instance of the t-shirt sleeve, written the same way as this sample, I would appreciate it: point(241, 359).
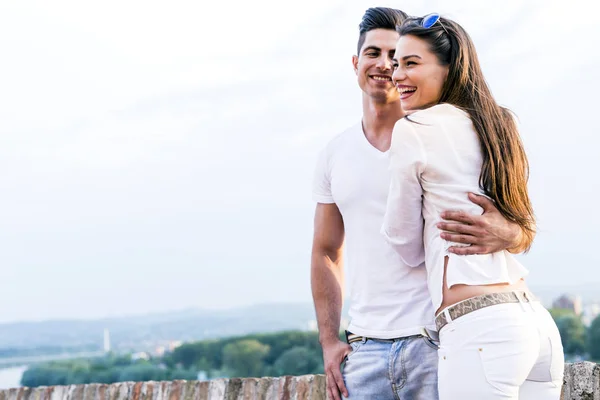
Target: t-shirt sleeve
point(403, 221)
point(321, 192)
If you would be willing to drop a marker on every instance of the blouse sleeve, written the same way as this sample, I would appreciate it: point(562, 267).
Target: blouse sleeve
point(403, 221)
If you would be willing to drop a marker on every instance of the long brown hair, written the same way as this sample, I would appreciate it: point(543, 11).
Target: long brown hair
point(505, 169)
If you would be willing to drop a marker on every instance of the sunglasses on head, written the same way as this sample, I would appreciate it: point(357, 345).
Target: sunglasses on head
point(430, 20)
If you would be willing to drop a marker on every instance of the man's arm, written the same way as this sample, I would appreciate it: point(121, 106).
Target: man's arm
point(327, 282)
point(486, 233)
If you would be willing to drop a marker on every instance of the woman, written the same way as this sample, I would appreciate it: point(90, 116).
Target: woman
point(496, 340)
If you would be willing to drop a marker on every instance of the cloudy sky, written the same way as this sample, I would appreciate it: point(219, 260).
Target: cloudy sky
point(158, 155)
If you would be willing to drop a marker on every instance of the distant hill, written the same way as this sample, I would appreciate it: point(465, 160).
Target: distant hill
point(146, 332)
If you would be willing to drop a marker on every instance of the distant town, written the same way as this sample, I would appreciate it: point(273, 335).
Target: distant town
point(588, 312)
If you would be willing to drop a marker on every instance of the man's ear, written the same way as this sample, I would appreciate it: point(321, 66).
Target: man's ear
point(355, 64)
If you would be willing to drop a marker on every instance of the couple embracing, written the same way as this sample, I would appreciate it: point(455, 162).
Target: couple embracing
point(426, 198)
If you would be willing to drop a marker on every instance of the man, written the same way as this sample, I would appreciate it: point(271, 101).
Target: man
point(387, 357)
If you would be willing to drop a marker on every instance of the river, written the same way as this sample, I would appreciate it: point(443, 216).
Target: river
point(11, 377)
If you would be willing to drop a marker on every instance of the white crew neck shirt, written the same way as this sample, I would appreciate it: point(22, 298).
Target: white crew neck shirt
point(388, 299)
point(435, 160)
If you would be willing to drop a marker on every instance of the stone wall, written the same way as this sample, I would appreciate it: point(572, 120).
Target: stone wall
point(582, 382)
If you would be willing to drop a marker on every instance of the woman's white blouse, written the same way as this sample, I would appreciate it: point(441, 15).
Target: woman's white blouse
point(435, 160)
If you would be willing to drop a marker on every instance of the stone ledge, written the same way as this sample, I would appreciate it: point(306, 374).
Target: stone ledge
point(582, 382)
point(307, 387)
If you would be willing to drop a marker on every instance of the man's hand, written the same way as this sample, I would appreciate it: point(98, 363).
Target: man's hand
point(486, 233)
point(334, 354)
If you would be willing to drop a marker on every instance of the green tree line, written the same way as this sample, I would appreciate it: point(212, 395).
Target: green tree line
point(273, 354)
point(276, 354)
point(578, 340)
point(108, 369)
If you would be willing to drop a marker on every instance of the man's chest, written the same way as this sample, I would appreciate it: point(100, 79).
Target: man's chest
point(358, 179)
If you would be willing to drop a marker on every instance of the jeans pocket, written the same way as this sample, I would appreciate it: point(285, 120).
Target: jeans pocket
point(429, 342)
point(355, 347)
point(494, 371)
point(506, 367)
point(557, 360)
point(551, 366)
point(461, 376)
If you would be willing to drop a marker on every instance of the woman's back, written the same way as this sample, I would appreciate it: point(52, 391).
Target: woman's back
point(437, 150)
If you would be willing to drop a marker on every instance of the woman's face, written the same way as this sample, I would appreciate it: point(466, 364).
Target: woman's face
point(418, 74)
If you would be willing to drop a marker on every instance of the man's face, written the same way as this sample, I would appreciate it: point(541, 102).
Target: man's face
point(373, 65)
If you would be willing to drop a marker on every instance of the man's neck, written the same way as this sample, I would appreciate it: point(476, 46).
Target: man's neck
point(379, 120)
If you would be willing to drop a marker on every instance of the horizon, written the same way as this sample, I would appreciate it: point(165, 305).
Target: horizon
point(572, 291)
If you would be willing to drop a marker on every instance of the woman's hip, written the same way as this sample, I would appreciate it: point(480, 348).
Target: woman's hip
point(505, 345)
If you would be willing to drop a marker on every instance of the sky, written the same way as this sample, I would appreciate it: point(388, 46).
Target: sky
point(158, 156)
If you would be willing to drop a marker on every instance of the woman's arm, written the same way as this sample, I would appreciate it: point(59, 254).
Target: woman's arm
point(403, 221)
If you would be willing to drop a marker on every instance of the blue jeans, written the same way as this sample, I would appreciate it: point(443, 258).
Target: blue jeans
point(402, 369)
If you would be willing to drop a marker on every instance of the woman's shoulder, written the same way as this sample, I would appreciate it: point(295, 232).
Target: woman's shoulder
point(429, 122)
point(437, 112)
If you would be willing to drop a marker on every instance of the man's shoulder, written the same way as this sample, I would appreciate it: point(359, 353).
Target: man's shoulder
point(341, 139)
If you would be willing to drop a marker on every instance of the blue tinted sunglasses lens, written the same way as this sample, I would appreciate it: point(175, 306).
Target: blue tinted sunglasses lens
point(429, 20)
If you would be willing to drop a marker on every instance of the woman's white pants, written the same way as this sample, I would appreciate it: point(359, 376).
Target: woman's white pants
point(505, 351)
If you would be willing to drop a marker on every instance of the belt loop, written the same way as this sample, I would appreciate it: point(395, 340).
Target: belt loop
point(447, 314)
point(527, 296)
point(521, 302)
point(364, 339)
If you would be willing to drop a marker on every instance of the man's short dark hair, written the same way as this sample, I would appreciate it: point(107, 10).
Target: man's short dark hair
point(379, 18)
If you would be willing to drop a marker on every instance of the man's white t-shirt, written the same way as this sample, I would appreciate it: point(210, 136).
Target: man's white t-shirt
point(388, 299)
